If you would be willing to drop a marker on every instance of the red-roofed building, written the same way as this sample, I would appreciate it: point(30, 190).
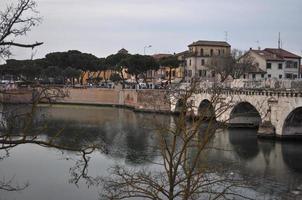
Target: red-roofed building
point(276, 63)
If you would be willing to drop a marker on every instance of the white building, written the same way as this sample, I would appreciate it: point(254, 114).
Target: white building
point(275, 62)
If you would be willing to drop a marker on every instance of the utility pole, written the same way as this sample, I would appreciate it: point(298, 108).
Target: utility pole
point(279, 41)
point(258, 44)
point(226, 35)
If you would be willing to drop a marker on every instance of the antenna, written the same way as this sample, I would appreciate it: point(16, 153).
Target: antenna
point(258, 46)
point(226, 35)
point(279, 41)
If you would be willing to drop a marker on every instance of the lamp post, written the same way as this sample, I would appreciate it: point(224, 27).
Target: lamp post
point(148, 46)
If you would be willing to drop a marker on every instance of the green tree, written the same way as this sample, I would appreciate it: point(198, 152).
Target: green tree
point(138, 65)
point(172, 62)
point(115, 62)
point(54, 73)
point(82, 61)
point(115, 77)
point(71, 73)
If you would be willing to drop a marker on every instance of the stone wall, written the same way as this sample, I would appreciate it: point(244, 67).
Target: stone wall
point(144, 100)
point(16, 96)
point(152, 100)
point(92, 96)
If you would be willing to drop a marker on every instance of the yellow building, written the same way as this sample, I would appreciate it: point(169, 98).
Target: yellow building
point(199, 54)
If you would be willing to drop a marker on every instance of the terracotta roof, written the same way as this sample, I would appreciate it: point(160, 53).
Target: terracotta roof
point(281, 53)
point(161, 55)
point(267, 55)
point(182, 53)
point(210, 43)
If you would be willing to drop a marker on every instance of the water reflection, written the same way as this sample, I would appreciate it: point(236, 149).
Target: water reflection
point(244, 142)
point(129, 137)
point(123, 134)
point(292, 155)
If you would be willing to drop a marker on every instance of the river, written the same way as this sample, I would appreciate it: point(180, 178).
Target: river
point(128, 139)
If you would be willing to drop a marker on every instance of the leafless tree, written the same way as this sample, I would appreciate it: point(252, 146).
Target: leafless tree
point(184, 173)
point(20, 125)
point(231, 65)
point(17, 20)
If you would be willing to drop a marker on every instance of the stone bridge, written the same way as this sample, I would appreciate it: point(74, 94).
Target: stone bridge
point(276, 113)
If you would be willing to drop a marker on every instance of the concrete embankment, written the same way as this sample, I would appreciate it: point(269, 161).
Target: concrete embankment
point(140, 100)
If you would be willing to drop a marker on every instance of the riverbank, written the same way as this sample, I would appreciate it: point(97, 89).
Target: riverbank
point(138, 100)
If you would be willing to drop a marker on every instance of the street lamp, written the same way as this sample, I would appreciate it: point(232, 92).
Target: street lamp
point(148, 46)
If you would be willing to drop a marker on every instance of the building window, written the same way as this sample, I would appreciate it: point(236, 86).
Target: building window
point(269, 76)
point(244, 76)
point(280, 76)
point(295, 76)
point(254, 76)
point(213, 74)
point(222, 51)
point(288, 76)
point(291, 64)
point(167, 74)
point(262, 75)
point(202, 61)
point(173, 73)
point(219, 52)
point(190, 73)
point(211, 52)
point(268, 65)
point(280, 66)
point(190, 62)
point(202, 73)
point(201, 52)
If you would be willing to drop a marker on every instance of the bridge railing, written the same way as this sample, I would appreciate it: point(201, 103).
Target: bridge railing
point(269, 87)
point(266, 84)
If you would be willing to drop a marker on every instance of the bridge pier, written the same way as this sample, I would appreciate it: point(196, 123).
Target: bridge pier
point(266, 130)
point(276, 113)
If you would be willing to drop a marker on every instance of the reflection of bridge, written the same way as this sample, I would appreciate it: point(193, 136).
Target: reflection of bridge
point(276, 112)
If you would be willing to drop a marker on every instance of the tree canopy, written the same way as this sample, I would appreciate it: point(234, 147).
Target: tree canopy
point(140, 64)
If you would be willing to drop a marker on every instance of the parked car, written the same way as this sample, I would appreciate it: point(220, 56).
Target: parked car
point(142, 86)
point(106, 85)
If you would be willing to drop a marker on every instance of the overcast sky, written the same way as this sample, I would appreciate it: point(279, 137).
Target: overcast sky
point(102, 27)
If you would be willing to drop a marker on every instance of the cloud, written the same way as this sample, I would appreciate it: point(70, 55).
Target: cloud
point(102, 27)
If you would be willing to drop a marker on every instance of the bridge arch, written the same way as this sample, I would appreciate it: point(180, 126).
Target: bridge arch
point(292, 125)
point(244, 114)
point(206, 110)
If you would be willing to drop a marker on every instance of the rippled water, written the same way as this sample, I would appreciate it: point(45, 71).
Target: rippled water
point(274, 168)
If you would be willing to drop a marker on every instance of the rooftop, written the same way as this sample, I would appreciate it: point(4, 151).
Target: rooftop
point(281, 53)
point(210, 43)
point(161, 55)
point(267, 55)
point(275, 54)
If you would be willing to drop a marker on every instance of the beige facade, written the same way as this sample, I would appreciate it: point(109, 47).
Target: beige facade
point(198, 56)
